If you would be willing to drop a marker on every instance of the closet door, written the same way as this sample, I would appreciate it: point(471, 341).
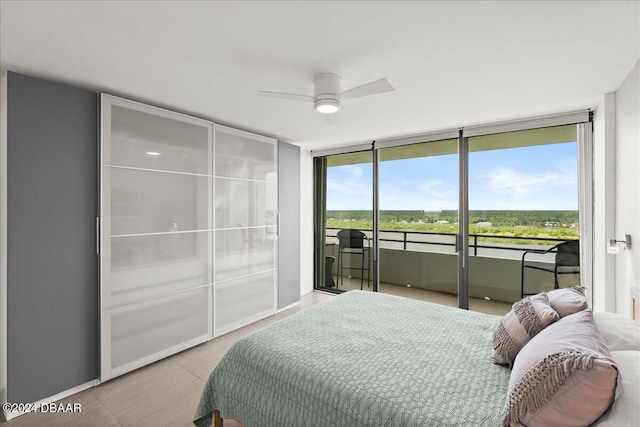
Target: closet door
point(246, 228)
point(156, 246)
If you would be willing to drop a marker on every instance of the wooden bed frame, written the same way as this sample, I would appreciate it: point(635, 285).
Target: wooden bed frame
point(217, 421)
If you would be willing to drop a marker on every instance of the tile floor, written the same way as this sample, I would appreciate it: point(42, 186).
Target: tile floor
point(166, 393)
point(499, 308)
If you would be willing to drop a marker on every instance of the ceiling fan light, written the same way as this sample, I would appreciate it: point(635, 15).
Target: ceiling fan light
point(327, 105)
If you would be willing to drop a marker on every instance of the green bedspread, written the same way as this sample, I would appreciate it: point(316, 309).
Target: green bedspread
point(363, 359)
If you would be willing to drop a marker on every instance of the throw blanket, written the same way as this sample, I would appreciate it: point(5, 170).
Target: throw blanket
point(363, 359)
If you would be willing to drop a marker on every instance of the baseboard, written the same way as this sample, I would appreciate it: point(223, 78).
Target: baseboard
point(287, 307)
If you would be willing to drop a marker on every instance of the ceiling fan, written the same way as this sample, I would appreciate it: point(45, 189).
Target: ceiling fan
point(327, 96)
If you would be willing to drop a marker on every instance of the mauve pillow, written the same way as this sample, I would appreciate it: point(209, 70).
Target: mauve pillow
point(564, 376)
point(527, 318)
point(567, 301)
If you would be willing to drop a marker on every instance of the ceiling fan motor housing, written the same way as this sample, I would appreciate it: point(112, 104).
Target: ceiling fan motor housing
point(327, 88)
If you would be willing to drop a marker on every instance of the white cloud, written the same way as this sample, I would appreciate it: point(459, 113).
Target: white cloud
point(355, 171)
point(349, 188)
point(436, 188)
point(433, 194)
point(520, 184)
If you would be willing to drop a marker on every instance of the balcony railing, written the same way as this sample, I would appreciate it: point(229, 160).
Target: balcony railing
point(407, 241)
point(427, 260)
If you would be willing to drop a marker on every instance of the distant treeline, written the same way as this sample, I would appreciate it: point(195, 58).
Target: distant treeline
point(532, 218)
point(353, 214)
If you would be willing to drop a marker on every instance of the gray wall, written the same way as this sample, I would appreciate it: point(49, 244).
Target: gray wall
point(52, 268)
point(289, 238)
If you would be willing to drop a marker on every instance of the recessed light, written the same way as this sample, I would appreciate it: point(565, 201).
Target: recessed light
point(153, 153)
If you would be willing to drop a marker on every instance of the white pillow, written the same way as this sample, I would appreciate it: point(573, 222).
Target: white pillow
point(619, 332)
point(624, 411)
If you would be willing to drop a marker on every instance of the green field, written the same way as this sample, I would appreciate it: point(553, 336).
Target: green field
point(497, 225)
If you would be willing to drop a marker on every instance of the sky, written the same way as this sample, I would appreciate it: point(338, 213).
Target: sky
point(543, 177)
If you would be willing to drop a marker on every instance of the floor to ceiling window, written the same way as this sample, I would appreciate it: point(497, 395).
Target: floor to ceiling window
point(418, 192)
point(523, 213)
point(476, 221)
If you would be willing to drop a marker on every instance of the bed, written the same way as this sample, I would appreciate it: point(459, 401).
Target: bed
point(362, 359)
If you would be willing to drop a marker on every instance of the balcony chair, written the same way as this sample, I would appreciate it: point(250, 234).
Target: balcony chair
point(251, 237)
point(567, 261)
point(352, 242)
point(328, 271)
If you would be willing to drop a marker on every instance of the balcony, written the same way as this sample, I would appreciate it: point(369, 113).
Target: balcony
point(423, 265)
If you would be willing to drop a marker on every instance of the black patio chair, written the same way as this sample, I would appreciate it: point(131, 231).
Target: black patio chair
point(350, 242)
point(567, 261)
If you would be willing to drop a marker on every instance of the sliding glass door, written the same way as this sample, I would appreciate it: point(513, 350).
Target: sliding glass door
point(344, 221)
point(523, 211)
point(474, 218)
point(418, 221)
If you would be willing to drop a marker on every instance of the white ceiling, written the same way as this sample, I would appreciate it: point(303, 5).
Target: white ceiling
point(452, 63)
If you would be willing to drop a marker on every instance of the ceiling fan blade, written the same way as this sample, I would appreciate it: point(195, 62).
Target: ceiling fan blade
point(378, 86)
point(291, 96)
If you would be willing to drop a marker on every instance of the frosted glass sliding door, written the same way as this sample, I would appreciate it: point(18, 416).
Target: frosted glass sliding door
point(246, 224)
point(156, 234)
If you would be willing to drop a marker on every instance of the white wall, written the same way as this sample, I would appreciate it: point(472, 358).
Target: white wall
point(604, 198)
point(306, 222)
point(627, 134)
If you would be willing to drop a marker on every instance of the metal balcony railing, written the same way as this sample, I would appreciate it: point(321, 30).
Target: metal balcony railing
point(448, 239)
